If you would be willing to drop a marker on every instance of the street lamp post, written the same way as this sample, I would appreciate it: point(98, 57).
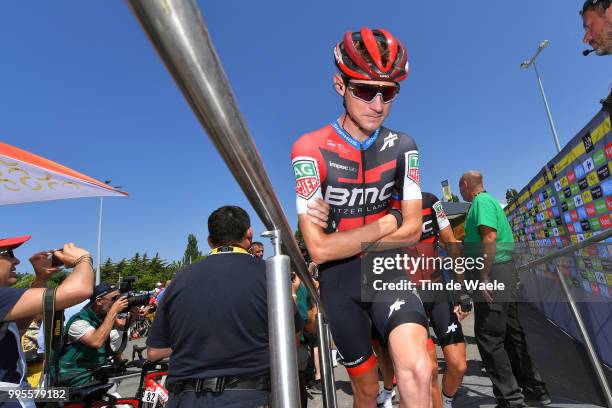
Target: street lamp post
point(98, 258)
point(526, 64)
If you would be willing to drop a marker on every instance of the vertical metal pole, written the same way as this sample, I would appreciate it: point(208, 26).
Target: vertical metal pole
point(550, 119)
point(281, 329)
point(327, 371)
point(601, 377)
point(99, 243)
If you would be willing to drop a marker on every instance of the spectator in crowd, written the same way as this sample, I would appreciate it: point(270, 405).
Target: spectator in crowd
point(499, 335)
point(29, 345)
point(213, 322)
point(597, 24)
point(18, 306)
point(89, 337)
point(161, 294)
point(257, 249)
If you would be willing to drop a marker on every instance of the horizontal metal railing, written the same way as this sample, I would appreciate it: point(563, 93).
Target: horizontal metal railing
point(568, 250)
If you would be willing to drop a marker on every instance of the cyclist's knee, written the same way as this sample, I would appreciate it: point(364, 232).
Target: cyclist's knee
point(365, 390)
point(415, 367)
point(456, 363)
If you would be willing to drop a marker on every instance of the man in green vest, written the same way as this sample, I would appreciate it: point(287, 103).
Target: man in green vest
point(87, 333)
point(499, 334)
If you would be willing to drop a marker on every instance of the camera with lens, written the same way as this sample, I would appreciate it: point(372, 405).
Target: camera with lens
point(126, 288)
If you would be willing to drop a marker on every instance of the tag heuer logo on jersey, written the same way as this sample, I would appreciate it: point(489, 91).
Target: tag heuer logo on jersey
point(412, 166)
point(306, 177)
point(439, 210)
point(389, 141)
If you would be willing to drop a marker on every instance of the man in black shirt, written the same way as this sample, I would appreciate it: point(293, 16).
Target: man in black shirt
point(214, 322)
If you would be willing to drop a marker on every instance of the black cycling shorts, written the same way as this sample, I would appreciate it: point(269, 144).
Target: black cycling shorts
point(350, 318)
point(444, 321)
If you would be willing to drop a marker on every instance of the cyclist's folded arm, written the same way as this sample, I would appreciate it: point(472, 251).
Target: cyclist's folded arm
point(412, 224)
point(324, 247)
point(451, 244)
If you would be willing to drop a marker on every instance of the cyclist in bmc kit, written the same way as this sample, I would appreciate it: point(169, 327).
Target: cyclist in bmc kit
point(444, 310)
point(354, 164)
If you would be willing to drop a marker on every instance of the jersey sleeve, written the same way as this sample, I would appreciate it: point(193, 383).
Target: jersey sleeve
point(78, 329)
point(441, 217)
point(486, 214)
point(309, 172)
point(408, 181)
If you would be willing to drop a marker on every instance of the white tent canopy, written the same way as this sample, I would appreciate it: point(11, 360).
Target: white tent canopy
point(26, 177)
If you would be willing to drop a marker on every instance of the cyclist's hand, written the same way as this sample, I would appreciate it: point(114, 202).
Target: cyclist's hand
point(318, 212)
point(119, 305)
point(460, 315)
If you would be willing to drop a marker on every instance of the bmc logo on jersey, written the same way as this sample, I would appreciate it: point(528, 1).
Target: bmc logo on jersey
point(412, 166)
point(306, 177)
point(342, 197)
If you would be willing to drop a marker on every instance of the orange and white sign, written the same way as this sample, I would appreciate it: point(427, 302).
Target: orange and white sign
point(26, 177)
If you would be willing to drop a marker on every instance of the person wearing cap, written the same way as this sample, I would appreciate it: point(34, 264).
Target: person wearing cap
point(88, 333)
point(597, 24)
point(18, 306)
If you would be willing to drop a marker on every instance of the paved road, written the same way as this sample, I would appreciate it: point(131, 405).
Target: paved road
point(562, 362)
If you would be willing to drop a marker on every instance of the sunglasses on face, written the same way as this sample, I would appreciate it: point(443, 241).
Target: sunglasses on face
point(7, 253)
point(367, 92)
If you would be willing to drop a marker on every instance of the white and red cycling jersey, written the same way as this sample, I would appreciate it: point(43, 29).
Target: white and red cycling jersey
point(357, 179)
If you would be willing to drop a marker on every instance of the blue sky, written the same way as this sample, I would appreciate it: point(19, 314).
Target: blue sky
point(80, 84)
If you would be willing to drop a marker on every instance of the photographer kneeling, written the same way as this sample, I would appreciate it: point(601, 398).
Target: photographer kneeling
point(89, 336)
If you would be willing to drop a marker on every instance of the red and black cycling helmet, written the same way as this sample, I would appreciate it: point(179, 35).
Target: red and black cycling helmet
point(367, 61)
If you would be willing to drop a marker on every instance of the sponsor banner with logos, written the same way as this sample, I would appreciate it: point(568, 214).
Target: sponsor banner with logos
point(568, 201)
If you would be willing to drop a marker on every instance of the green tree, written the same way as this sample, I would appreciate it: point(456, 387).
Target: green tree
point(24, 280)
point(173, 268)
point(134, 267)
point(511, 194)
point(192, 253)
point(120, 269)
point(454, 198)
point(154, 271)
point(108, 273)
